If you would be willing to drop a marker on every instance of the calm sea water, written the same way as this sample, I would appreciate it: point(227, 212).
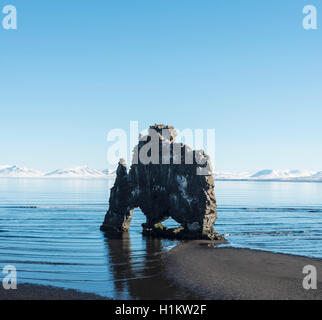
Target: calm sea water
point(49, 229)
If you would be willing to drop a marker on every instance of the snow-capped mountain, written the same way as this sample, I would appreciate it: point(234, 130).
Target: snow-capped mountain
point(76, 172)
point(276, 175)
point(4, 167)
point(83, 172)
point(231, 176)
point(19, 172)
point(317, 175)
point(282, 174)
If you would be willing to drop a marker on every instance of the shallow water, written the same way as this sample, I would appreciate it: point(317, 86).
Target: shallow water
point(49, 229)
point(281, 217)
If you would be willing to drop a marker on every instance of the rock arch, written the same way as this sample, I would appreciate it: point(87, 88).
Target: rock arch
point(163, 190)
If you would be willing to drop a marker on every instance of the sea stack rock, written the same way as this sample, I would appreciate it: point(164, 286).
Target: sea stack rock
point(166, 179)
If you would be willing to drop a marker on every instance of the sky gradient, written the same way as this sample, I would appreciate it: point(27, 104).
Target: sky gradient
point(76, 69)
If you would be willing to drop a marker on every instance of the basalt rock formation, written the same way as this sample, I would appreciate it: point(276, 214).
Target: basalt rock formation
point(166, 179)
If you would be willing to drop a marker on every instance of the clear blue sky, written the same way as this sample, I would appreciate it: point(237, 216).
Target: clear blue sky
point(76, 69)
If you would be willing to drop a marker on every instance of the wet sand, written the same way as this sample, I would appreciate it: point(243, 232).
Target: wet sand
point(209, 273)
point(243, 274)
point(36, 292)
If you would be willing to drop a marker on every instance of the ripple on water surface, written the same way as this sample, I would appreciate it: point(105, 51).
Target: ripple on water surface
point(50, 231)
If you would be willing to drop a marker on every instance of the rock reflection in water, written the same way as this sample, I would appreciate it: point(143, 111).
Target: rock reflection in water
point(140, 276)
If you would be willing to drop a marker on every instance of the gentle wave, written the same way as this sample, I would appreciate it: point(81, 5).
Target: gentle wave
point(220, 208)
point(54, 237)
point(271, 209)
point(272, 233)
point(72, 207)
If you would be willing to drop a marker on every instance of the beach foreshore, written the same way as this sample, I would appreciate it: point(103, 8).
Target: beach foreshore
point(240, 274)
point(37, 292)
point(212, 273)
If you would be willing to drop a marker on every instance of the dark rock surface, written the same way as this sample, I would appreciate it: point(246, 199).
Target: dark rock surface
point(166, 179)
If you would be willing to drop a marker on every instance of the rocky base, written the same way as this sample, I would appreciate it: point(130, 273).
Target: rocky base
point(111, 228)
point(161, 232)
point(179, 233)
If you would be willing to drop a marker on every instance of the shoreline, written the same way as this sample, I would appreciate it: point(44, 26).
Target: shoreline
point(211, 273)
point(240, 274)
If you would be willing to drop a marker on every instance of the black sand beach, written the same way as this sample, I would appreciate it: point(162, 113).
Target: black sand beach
point(228, 273)
point(212, 274)
point(36, 292)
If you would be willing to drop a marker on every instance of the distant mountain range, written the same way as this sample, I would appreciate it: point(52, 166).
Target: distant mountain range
point(84, 172)
point(77, 172)
point(272, 175)
point(18, 172)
